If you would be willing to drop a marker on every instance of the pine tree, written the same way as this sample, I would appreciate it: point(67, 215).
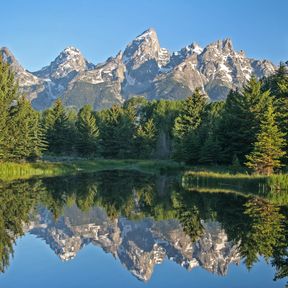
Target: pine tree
point(21, 137)
point(145, 139)
point(191, 147)
point(163, 113)
point(88, 132)
point(267, 151)
point(240, 120)
point(8, 96)
point(25, 139)
point(56, 125)
point(210, 151)
point(117, 127)
point(278, 85)
point(186, 123)
point(190, 115)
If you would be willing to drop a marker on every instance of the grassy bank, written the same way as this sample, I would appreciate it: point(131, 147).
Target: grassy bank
point(274, 187)
point(202, 179)
point(11, 171)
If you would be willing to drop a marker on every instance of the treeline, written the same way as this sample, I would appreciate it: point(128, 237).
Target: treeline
point(249, 128)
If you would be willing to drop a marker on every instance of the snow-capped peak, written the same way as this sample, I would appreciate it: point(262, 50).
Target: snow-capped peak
point(69, 60)
point(222, 46)
point(149, 33)
point(71, 51)
point(195, 48)
point(69, 54)
point(143, 48)
point(24, 77)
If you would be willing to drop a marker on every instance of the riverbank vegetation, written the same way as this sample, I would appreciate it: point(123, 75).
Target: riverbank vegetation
point(64, 166)
point(249, 129)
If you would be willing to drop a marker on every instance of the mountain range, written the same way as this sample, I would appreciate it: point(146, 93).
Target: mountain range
point(144, 68)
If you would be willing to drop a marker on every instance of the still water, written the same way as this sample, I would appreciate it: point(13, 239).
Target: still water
point(128, 229)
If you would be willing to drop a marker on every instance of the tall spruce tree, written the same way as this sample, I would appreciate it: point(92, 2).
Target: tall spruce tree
point(145, 140)
point(56, 125)
point(8, 96)
point(163, 114)
point(21, 137)
point(25, 139)
point(210, 151)
point(186, 124)
point(117, 127)
point(278, 85)
point(240, 121)
point(267, 152)
point(88, 132)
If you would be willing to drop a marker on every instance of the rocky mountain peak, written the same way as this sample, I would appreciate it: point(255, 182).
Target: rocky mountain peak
point(142, 49)
point(195, 48)
point(7, 56)
point(224, 47)
point(24, 77)
point(70, 50)
point(70, 60)
point(149, 33)
point(181, 55)
point(227, 44)
point(144, 68)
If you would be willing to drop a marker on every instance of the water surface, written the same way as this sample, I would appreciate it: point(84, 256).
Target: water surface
point(129, 229)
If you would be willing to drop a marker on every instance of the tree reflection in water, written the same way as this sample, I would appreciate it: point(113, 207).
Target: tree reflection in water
point(252, 224)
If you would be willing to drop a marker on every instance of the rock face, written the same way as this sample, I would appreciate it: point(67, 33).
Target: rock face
point(29, 84)
point(144, 68)
point(139, 245)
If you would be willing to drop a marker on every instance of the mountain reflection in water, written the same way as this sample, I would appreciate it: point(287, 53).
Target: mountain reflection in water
point(143, 219)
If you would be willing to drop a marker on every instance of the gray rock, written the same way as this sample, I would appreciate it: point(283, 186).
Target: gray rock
point(143, 69)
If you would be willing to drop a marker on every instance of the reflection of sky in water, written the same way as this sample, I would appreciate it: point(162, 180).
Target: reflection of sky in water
point(144, 220)
point(35, 265)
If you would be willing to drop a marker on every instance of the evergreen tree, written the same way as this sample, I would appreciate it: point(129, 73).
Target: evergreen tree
point(190, 115)
point(210, 151)
point(267, 151)
point(88, 132)
point(278, 85)
point(117, 127)
point(163, 114)
point(21, 137)
point(25, 139)
point(186, 123)
point(145, 139)
point(56, 125)
point(191, 147)
point(240, 121)
point(8, 96)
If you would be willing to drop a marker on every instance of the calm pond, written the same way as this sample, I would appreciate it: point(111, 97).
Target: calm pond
point(129, 229)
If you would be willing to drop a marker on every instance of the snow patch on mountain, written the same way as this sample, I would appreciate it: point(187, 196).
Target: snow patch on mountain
point(144, 68)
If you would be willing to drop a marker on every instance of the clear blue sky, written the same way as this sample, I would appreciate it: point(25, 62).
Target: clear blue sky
point(36, 31)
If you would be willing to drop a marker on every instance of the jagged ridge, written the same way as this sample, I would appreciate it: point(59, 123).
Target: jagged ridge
point(144, 68)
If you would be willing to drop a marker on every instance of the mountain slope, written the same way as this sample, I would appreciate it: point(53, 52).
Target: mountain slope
point(29, 84)
point(143, 69)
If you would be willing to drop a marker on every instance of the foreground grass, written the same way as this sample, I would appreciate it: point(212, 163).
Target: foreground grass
point(12, 171)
